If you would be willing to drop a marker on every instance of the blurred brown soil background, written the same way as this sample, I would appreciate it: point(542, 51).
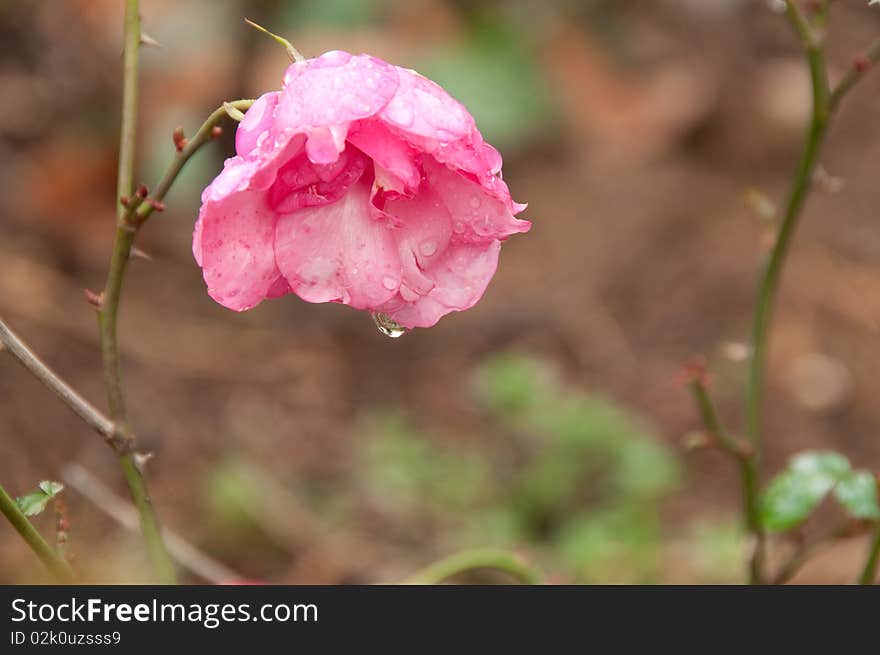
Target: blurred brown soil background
point(657, 118)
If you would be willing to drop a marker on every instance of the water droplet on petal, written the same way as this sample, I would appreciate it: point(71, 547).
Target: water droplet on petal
point(388, 326)
point(428, 247)
point(389, 283)
point(400, 113)
point(458, 227)
point(475, 202)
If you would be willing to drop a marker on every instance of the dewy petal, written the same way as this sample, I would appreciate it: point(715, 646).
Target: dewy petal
point(334, 89)
point(388, 150)
point(423, 236)
point(339, 252)
point(300, 183)
point(421, 108)
point(236, 236)
point(460, 277)
point(477, 216)
point(258, 119)
point(325, 143)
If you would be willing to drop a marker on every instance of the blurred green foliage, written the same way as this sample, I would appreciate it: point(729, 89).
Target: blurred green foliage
point(492, 70)
point(35, 502)
point(792, 495)
point(583, 479)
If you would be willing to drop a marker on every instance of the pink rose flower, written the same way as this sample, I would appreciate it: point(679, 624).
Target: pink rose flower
point(360, 183)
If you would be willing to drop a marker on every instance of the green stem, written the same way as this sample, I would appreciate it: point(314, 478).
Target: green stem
point(109, 311)
point(201, 137)
point(855, 73)
point(869, 572)
point(712, 423)
point(769, 283)
point(55, 563)
point(744, 456)
point(478, 558)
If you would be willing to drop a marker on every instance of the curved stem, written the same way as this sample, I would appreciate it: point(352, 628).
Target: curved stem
point(201, 137)
point(769, 283)
point(712, 423)
point(57, 566)
point(869, 572)
point(478, 558)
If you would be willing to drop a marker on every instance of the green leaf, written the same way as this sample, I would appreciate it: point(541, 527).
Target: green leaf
point(50, 487)
point(34, 503)
point(794, 494)
point(857, 492)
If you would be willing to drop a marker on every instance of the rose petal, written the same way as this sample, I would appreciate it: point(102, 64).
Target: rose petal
point(460, 277)
point(238, 260)
point(389, 151)
point(477, 216)
point(300, 183)
point(421, 108)
point(258, 119)
point(339, 252)
point(334, 89)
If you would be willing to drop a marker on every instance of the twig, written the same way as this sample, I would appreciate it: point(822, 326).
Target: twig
point(708, 415)
point(809, 550)
point(184, 553)
point(82, 407)
point(869, 572)
point(744, 455)
point(57, 566)
point(478, 558)
point(860, 66)
point(204, 135)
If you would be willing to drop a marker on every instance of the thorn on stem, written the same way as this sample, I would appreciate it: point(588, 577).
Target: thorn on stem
point(157, 205)
point(146, 39)
point(140, 254)
point(861, 63)
point(141, 459)
point(695, 371)
point(696, 440)
point(216, 131)
point(142, 191)
point(179, 139)
point(124, 201)
point(94, 299)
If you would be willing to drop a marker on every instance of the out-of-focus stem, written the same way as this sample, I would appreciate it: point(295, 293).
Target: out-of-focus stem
point(869, 572)
point(769, 283)
point(856, 72)
point(479, 558)
point(824, 104)
point(57, 566)
point(804, 553)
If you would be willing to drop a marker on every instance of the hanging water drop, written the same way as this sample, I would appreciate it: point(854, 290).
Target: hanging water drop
point(388, 326)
